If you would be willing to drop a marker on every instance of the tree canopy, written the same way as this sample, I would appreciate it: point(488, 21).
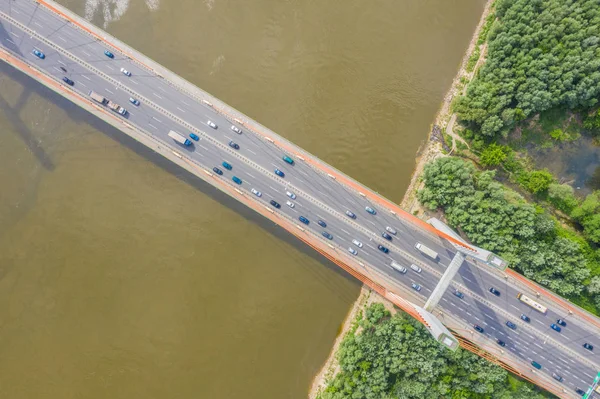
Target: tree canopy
point(394, 357)
point(541, 54)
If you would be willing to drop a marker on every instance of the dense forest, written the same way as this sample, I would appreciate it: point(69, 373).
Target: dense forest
point(541, 54)
point(394, 357)
point(500, 220)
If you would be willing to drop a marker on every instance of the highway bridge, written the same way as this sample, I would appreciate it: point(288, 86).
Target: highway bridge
point(69, 47)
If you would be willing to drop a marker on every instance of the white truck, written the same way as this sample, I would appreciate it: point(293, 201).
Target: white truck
point(117, 108)
point(426, 251)
point(179, 138)
point(98, 98)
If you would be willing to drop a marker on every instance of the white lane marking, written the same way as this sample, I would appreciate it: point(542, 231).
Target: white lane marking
point(14, 34)
point(62, 39)
point(274, 189)
point(370, 246)
point(488, 316)
point(129, 112)
point(8, 40)
point(35, 23)
point(250, 175)
point(109, 91)
point(300, 181)
point(181, 110)
point(500, 332)
point(305, 174)
point(81, 83)
point(465, 278)
point(444, 299)
point(133, 81)
point(274, 165)
point(86, 53)
point(251, 151)
point(156, 119)
point(58, 69)
point(150, 124)
point(185, 102)
point(62, 63)
point(513, 306)
point(161, 89)
point(540, 323)
point(202, 146)
point(83, 76)
point(15, 11)
point(345, 231)
point(452, 304)
point(157, 95)
point(109, 67)
point(469, 314)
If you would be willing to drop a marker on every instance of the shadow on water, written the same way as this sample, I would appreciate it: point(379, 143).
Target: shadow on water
point(78, 114)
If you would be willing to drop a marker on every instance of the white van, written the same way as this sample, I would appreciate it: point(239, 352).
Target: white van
point(396, 266)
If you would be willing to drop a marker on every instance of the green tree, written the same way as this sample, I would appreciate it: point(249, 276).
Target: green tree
point(562, 197)
point(538, 181)
point(493, 155)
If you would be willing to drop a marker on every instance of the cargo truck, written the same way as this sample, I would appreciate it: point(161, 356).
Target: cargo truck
point(97, 97)
point(426, 251)
point(117, 108)
point(179, 138)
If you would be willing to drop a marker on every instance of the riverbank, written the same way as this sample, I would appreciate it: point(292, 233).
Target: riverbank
point(433, 148)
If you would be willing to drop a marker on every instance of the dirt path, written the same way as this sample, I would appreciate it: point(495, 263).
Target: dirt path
point(430, 151)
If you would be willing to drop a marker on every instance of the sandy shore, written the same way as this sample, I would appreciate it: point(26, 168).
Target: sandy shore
point(432, 149)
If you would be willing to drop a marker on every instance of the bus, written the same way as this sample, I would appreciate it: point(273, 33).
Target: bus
point(530, 302)
point(426, 251)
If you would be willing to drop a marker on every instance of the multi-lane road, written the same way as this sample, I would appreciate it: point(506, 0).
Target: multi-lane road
point(164, 105)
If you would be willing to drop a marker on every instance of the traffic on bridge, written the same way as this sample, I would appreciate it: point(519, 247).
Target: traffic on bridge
point(546, 337)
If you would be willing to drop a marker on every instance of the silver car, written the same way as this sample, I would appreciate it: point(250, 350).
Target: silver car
point(391, 230)
point(290, 204)
point(352, 251)
point(236, 129)
point(125, 72)
point(256, 192)
point(357, 243)
point(211, 124)
point(290, 194)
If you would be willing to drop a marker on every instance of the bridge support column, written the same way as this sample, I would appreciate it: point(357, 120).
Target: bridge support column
point(444, 282)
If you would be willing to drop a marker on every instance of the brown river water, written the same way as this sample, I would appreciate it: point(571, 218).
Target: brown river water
point(123, 277)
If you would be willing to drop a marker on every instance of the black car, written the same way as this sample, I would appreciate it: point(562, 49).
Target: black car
point(478, 328)
point(234, 145)
point(383, 249)
point(588, 346)
point(68, 81)
point(322, 223)
point(500, 342)
point(580, 391)
point(275, 204)
point(525, 318)
point(561, 322)
point(494, 291)
point(386, 236)
point(512, 325)
point(459, 294)
point(217, 171)
point(327, 235)
point(557, 377)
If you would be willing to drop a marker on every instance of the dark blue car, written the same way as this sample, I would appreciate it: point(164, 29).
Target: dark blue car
point(555, 327)
point(525, 318)
point(322, 223)
point(512, 325)
point(227, 165)
point(304, 220)
point(194, 137)
point(327, 235)
point(383, 249)
point(237, 180)
point(279, 173)
point(478, 328)
point(386, 236)
point(109, 54)
point(39, 54)
point(68, 81)
point(217, 171)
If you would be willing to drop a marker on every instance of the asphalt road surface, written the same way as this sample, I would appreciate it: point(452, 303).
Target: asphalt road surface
point(71, 52)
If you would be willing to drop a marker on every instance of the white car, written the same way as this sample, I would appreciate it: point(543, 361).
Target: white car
point(290, 194)
point(256, 192)
point(352, 251)
point(236, 129)
point(211, 124)
point(391, 230)
point(125, 72)
point(357, 243)
point(290, 204)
